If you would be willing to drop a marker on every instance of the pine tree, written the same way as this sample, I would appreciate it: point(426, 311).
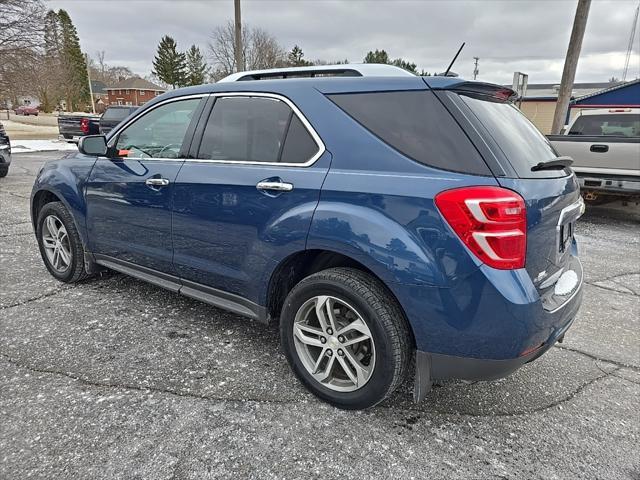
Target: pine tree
point(169, 65)
point(295, 58)
point(73, 62)
point(196, 67)
point(381, 56)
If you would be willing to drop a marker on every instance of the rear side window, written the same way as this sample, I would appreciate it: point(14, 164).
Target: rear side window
point(416, 124)
point(255, 129)
point(299, 146)
point(615, 125)
point(521, 142)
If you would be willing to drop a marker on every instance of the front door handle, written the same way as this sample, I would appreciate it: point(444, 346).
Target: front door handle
point(275, 186)
point(156, 182)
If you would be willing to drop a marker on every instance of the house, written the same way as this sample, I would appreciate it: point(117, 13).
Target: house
point(133, 91)
point(539, 102)
point(100, 99)
point(622, 95)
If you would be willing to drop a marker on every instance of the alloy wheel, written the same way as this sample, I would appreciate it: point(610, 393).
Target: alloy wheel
point(56, 243)
point(334, 343)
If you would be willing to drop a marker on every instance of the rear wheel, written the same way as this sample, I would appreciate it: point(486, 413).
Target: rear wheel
point(4, 170)
point(345, 338)
point(60, 244)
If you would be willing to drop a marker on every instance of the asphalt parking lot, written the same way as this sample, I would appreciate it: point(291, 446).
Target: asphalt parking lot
point(114, 378)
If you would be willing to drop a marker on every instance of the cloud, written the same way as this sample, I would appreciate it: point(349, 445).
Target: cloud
point(507, 35)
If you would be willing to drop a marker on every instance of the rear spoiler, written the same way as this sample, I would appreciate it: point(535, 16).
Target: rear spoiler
point(497, 92)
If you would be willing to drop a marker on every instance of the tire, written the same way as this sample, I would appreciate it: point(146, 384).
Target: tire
point(4, 170)
point(74, 270)
point(384, 357)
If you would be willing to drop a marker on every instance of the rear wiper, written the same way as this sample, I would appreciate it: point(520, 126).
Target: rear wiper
point(555, 164)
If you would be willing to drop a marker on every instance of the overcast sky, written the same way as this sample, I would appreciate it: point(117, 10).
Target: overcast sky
point(508, 36)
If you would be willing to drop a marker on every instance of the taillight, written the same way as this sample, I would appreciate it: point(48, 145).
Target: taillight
point(84, 125)
point(491, 221)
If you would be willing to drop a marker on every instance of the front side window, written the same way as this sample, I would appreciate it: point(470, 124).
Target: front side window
point(158, 133)
point(255, 129)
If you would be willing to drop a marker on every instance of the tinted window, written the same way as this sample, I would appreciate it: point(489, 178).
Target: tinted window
point(158, 133)
point(116, 114)
point(248, 129)
point(619, 125)
point(520, 141)
point(416, 124)
point(299, 147)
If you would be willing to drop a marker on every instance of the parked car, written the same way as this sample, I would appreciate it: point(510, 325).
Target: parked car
point(73, 126)
point(26, 110)
point(113, 115)
point(376, 219)
point(605, 147)
point(5, 152)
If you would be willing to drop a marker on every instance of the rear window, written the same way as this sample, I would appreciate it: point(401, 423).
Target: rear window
point(615, 125)
point(116, 114)
point(521, 142)
point(417, 125)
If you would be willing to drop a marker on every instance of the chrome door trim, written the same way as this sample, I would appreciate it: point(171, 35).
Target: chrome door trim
point(248, 94)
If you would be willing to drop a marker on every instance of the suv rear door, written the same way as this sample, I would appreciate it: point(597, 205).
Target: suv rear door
point(245, 199)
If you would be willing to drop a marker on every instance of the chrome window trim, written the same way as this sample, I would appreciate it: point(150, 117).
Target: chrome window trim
point(247, 94)
point(296, 111)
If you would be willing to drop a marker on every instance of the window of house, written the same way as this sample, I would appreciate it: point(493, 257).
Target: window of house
point(142, 93)
point(127, 92)
point(255, 129)
point(158, 133)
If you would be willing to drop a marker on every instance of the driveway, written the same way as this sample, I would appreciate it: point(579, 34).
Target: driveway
point(115, 378)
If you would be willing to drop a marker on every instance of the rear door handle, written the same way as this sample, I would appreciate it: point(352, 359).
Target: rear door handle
point(599, 148)
point(157, 182)
point(275, 186)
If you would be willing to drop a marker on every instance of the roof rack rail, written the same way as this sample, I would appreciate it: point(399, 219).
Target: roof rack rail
point(344, 70)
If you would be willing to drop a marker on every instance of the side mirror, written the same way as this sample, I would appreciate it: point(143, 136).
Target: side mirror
point(94, 145)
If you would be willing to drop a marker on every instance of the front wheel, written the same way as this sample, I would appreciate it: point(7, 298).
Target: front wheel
point(345, 338)
point(4, 170)
point(60, 244)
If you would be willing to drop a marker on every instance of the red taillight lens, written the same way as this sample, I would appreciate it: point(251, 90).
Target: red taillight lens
point(491, 221)
point(84, 125)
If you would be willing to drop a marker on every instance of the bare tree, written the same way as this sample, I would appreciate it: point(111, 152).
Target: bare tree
point(21, 34)
point(260, 50)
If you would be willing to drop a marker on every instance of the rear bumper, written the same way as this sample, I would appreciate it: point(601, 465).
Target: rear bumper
point(609, 184)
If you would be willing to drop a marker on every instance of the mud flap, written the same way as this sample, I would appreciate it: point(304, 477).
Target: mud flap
point(423, 381)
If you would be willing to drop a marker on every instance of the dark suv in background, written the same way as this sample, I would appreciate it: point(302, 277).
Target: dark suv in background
point(5, 152)
point(375, 215)
point(113, 115)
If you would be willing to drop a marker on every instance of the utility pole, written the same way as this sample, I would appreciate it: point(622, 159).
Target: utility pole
point(93, 105)
point(238, 42)
point(570, 65)
point(475, 68)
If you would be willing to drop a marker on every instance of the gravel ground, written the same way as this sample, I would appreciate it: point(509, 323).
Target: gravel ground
point(114, 378)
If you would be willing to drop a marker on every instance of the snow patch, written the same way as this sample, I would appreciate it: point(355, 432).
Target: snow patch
point(566, 283)
point(30, 146)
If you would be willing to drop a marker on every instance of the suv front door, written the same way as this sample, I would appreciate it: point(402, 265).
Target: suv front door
point(129, 195)
point(246, 202)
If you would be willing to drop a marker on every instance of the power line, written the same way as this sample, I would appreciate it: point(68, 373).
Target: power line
point(630, 47)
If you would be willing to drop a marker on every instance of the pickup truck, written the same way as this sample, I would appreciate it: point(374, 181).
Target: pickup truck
point(113, 115)
point(72, 126)
point(605, 147)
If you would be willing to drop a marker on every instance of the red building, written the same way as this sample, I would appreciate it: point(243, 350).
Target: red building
point(133, 91)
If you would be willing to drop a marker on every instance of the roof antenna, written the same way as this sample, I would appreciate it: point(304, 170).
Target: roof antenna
point(446, 73)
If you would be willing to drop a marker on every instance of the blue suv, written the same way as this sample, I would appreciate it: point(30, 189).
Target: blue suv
point(387, 224)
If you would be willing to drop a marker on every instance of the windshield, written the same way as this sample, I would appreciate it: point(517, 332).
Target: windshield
point(615, 125)
point(520, 141)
